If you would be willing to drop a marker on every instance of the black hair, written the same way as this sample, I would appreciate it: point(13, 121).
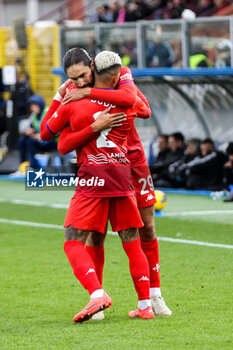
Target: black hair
point(208, 140)
point(164, 136)
point(178, 136)
point(75, 56)
point(229, 149)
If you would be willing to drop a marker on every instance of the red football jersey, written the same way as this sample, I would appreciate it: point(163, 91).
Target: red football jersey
point(136, 154)
point(124, 96)
point(104, 156)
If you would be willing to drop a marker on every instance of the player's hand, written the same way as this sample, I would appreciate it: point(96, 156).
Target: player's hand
point(106, 120)
point(63, 87)
point(76, 94)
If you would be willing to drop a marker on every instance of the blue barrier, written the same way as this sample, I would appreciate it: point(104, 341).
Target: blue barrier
point(186, 192)
point(179, 72)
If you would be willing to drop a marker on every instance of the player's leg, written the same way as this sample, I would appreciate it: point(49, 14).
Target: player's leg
point(95, 248)
point(84, 215)
point(145, 199)
point(139, 270)
point(79, 258)
point(84, 270)
point(150, 247)
point(125, 219)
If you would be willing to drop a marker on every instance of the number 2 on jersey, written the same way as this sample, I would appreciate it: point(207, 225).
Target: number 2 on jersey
point(102, 140)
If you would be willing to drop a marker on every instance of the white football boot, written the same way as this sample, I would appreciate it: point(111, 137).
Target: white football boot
point(159, 306)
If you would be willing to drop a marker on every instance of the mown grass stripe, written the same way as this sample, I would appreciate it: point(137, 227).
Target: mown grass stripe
point(65, 206)
point(166, 239)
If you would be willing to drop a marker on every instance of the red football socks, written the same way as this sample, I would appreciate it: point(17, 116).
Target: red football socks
point(151, 250)
point(82, 265)
point(97, 255)
point(139, 268)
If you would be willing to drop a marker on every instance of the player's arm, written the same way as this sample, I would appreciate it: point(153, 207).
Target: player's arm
point(58, 121)
point(69, 141)
point(141, 109)
point(52, 109)
point(114, 96)
point(124, 96)
point(142, 97)
point(54, 105)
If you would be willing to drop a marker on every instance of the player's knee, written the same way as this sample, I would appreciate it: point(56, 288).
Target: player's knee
point(96, 239)
point(147, 232)
point(128, 235)
point(73, 234)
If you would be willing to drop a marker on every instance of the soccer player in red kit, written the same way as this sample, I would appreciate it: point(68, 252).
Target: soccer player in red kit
point(125, 95)
point(103, 158)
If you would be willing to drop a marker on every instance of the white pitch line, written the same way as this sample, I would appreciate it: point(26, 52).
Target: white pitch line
point(35, 204)
point(202, 212)
point(166, 239)
point(207, 244)
point(65, 206)
point(30, 223)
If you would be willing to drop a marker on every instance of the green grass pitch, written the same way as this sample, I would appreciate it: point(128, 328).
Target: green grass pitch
point(39, 294)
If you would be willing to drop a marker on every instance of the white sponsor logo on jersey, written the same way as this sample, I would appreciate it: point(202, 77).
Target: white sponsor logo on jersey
point(110, 158)
point(116, 155)
point(126, 76)
point(143, 278)
point(100, 158)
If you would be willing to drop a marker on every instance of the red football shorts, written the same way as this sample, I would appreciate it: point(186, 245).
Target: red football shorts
point(143, 186)
point(92, 214)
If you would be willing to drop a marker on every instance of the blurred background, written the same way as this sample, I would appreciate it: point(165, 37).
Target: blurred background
point(180, 52)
